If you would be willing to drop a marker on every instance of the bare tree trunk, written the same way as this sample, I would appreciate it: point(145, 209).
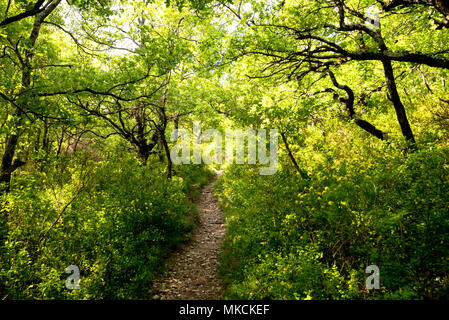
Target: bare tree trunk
point(163, 126)
point(349, 103)
point(303, 174)
point(8, 165)
point(45, 138)
point(397, 103)
point(167, 154)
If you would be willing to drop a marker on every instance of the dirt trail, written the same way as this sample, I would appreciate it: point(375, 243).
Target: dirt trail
point(192, 271)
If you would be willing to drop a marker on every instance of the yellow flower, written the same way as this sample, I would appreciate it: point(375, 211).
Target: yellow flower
point(330, 203)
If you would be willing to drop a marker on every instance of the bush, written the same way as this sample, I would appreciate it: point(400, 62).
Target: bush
point(115, 220)
point(292, 238)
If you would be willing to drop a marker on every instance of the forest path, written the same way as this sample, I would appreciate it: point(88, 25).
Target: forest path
point(192, 270)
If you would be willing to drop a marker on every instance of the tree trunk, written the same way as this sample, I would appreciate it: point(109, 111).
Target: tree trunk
point(143, 154)
point(45, 138)
point(397, 103)
point(349, 102)
point(61, 140)
point(167, 154)
point(8, 165)
point(163, 126)
point(303, 174)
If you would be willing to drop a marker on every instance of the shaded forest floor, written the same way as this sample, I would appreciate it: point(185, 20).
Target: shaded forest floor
point(192, 270)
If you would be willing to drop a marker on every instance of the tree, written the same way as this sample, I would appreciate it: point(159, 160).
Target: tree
point(147, 88)
point(318, 39)
point(25, 60)
point(440, 5)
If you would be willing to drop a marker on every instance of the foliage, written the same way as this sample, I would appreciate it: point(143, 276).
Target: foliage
point(124, 221)
point(291, 238)
point(90, 92)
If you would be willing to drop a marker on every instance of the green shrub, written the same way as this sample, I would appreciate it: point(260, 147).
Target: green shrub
point(120, 221)
point(292, 238)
